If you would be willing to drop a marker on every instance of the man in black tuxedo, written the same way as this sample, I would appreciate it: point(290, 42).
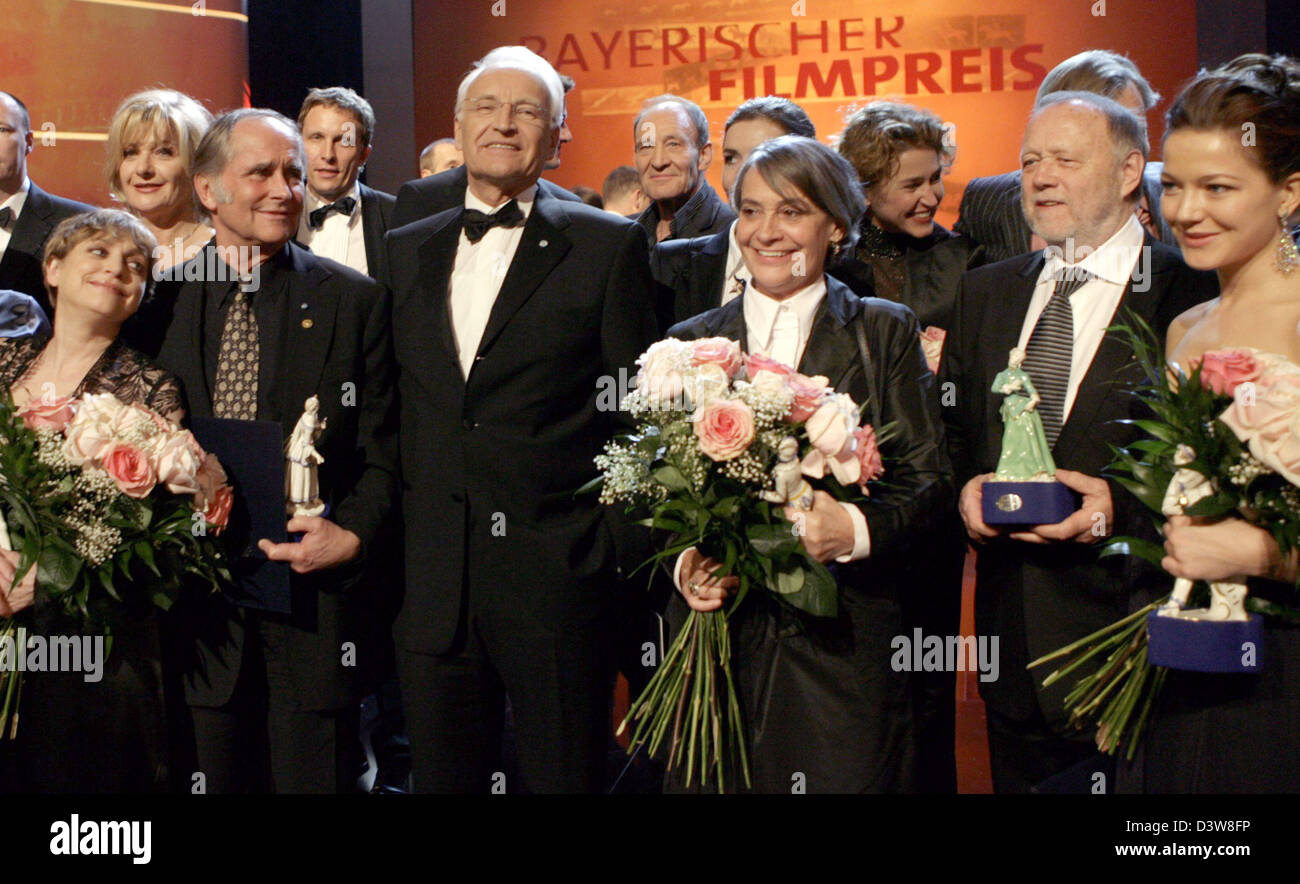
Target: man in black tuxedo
point(304, 326)
point(990, 207)
point(342, 219)
point(511, 312)
point(673, 151)
point(1041, 588)
point(27, 213)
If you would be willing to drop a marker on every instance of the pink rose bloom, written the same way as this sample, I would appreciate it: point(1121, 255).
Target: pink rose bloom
point(722, 352)
point(1224, 370)
point(176, 459)
point(54, 413)
point(808, 394)
point(135, 419)
point(725, 427)
point(756, 362)
point(209, 478)
point(217, 510)
point(1269, 423)
point(99, 407)
point(130, 468)
point(86, 438)
point(932, 343)
point(868, 453)
point(831, 432)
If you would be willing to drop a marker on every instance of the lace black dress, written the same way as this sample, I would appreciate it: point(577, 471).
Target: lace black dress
point(107, 736)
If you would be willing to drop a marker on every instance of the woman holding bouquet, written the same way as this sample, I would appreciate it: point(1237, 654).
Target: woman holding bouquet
point(823, 708)
point(1231, 188)
point(77, 735)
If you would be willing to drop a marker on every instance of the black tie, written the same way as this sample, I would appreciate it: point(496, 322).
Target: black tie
point(343, 206)
point(477, 223)
point(6, 217)
point(1050, 352)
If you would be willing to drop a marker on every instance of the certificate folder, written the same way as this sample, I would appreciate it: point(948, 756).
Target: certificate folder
point(252, 453)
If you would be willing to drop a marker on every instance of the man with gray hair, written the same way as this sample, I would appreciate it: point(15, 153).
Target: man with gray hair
point(990, 210)
point(672, 153)
point(1041, 587)
point(342, 219)
point(511, 312)
point(255, 326)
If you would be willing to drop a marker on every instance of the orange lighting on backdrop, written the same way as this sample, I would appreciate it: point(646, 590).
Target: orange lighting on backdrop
point(978, 72)
point(73, 61)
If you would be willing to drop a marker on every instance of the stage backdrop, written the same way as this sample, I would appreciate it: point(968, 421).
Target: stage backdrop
point(977, 72)
point(73, 61)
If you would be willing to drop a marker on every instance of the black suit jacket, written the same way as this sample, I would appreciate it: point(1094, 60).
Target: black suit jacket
point(510, 445)
point(424, 197)
point(20, 269)
point(345, 358)
point(991, 213)
point(376, 220)
point(691, 274)
point(1037, 598)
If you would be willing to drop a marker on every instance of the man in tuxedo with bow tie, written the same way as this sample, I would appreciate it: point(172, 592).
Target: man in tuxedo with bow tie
point(511, 311)
point(27, 213)
point(1043, 587)
point(342, 219)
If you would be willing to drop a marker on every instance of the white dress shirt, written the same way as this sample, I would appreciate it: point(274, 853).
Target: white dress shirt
point(16, 203)
point(763, 315)
point(341, 238)
point(477, 275)
point(736, 268)
point(1094, 303)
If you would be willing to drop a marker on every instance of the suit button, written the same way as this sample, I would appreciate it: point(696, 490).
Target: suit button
point(468, 424)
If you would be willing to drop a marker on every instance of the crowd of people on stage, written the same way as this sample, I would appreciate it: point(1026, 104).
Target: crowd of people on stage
point(456, 336)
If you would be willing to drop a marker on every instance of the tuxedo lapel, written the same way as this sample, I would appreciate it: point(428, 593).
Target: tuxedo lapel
point(541, 249)
point(437, 258)
point(309, 332)
point(372, 231)
point(30, 230)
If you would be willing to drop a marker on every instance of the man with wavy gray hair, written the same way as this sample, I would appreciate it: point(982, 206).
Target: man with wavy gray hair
point(255, 326)
point(672, 152)
point(511, 310)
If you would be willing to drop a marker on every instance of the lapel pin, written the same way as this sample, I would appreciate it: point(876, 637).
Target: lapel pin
point(543, 244)
point(303, 305)
point(307, 323)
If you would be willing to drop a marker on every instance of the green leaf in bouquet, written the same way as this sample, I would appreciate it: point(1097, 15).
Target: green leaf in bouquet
point(775, 540)
point(817, 593)
point(1158, 429)
point(1213, 506)
point(162, 601)
point(145, 552)
point(105, 575)
point(1154, 447)
point(590, 487)
point(1133, 546)
point(671, 478)
point(1150, 495)
point(789, 581)
point(58, 566)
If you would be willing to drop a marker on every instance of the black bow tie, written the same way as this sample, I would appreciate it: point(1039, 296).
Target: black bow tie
point(477, 223)
point(6, 217)
point(343, 206)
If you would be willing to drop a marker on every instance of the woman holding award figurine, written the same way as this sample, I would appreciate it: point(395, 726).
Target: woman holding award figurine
point(818, 695)
point(1230, 201)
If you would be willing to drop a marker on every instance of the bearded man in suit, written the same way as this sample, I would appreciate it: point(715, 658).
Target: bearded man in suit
point(27, 213)
point(511, 309)
point(1042, 587)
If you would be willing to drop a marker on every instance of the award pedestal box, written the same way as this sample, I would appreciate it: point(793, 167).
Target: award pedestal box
point(1218, 646)
point(1026, 503)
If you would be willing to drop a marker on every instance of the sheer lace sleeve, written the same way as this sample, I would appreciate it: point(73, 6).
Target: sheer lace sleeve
point(16, 354)
point(133, 378)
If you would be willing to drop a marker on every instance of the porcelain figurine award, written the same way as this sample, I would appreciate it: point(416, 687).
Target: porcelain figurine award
point(1024, 490)
point(301, 486)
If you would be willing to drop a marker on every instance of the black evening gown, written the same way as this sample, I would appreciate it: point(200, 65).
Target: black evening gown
point(110, 736)
point(1239, 734)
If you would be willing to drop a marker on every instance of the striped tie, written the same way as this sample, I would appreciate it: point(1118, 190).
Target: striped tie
point(1050, 352)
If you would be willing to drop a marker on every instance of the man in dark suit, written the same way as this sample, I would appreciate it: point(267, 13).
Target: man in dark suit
point(425, 197)
point(342, 219)
point(304, 326)
point(27, 213)
point(511, 311)
point(673, 151)
point(1045, 586)
point(990, 207)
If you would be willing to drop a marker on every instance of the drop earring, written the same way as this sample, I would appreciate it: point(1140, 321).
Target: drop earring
point(1287, 258)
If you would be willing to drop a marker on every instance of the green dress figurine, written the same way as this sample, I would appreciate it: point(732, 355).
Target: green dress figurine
point(1025, 452)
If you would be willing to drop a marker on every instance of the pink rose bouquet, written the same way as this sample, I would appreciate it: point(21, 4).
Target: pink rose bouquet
point(117, 504)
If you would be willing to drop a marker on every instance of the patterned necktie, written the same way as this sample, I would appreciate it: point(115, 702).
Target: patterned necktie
point(1050, 352)
point(316, 220)
point(235, 395)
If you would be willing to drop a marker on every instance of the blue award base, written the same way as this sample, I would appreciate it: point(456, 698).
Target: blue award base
point(1026, 503)
point(1226, 646)
point(296, 536)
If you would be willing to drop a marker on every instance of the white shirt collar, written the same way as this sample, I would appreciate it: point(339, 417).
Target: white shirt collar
point(736, 267)
point(524, 198)
point(1112, 261)
point(17, 200)
point(761, 311)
